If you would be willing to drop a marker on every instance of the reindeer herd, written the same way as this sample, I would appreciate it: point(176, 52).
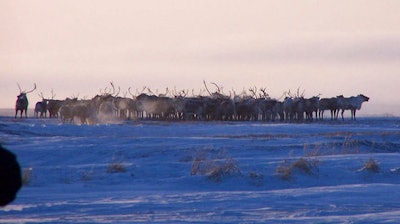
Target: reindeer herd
point(214, 106)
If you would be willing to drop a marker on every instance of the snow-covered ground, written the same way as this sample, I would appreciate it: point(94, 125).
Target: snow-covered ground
point(205, 172)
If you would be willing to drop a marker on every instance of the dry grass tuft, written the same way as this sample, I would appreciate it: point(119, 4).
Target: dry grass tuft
point(87, 175)
point(348, 145)
point(257, 179)
point(285, 170)
point(371, 165)
point(312, 150)
point(214, 164)
point(116, 166)
point(304, 165)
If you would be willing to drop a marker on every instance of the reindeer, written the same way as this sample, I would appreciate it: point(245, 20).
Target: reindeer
point(83, 110)
point(104, 105)
point(218, 105)
point(155, 106)
point(66, 114)
point(352, 103)
point(53, 106)
point(288, 108)
point(277, 111)
point(267, 108)
point(328, 104)
point(247, 108)
point(22, 101)
point(123, 106)
point(110, 103)
point(41, 107)
point(209, 106)
point(146, 105)
point(226, 109)
point(311, 105)
point(189, 108)
point(299, 108)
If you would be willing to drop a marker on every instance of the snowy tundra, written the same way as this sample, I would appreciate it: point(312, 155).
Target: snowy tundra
point(205, 172)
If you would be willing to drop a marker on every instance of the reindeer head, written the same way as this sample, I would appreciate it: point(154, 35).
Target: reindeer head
point(365, 98)
point(22, 93)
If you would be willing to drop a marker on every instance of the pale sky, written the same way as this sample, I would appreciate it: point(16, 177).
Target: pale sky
point(322, 47)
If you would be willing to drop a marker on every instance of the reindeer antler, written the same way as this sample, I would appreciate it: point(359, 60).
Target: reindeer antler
point(23, 91)
point(34, 87)
point(105, 91)
point(129, 91)
point(290, 94)
point(114, 92)
point(205, 85)
point(52, 94)
point(218, 88)
point(19, 87)
point(253, 91)
point(144, 87)
point(298, 92)
point(201, 91)
point(119, 89)
point(149, 90)
point(264, 91)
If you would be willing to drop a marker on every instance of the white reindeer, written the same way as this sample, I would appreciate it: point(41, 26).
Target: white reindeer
point(352, 103)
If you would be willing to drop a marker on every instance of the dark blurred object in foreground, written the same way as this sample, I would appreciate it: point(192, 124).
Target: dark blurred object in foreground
point(10, 176)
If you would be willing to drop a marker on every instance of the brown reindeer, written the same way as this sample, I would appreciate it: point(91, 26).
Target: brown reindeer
point(22, 101)
point(41, 107)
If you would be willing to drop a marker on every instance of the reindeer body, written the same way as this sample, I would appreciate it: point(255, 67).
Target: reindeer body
point(53, 106)
point(22, 101)
point(330, 104)
point(311, 105)
point(21, 105)
point(352, 103)
point(41, 107)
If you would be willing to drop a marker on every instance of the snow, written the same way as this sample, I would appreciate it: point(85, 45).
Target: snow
point(71, 179)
